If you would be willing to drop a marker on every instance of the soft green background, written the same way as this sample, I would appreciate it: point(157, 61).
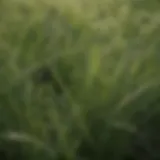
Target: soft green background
point(104, 54)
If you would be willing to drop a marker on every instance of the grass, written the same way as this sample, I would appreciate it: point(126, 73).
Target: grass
point(79, 80)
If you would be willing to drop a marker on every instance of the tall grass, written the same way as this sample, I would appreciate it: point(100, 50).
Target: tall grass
point(79, 80)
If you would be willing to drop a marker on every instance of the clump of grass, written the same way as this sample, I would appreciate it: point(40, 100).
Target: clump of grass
point(76, 86)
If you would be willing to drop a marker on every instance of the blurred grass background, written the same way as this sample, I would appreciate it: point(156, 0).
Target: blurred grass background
point(79, 79)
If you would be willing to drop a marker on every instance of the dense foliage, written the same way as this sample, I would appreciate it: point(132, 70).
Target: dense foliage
point(79, 80)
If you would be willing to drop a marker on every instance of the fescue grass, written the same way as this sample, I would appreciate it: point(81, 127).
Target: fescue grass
point(79, 80)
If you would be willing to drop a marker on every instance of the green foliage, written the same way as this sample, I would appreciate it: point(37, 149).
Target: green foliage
point(79, 82)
